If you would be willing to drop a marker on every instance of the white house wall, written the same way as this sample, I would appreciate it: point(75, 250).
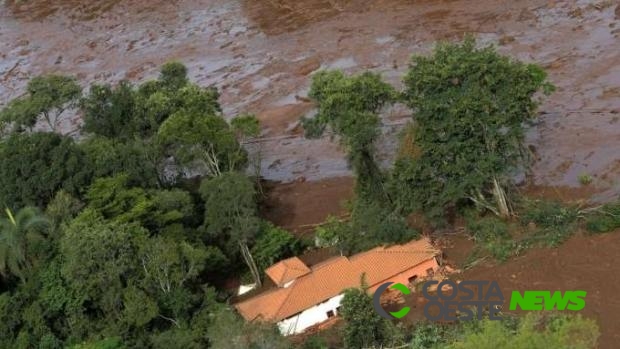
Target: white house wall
point(309, 317)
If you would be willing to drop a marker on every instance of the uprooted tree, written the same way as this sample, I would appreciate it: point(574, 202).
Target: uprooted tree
point(470, 106)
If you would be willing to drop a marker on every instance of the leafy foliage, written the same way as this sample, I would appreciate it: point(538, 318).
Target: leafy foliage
point(604, 219)
point(111, 112)
point(274, 244)
point(245, 126)
point(364, 327)
point(231, 214)
point(34, 166)
point(370, 225)
point(124, 261)
point(470, 107)
point(202, 139)
point(554, 222)
point(115, 199)
point(138, 159)
point(230, 331)
point(533, 331)
point(493, 235)
point(48, 96)
point(18, 234)
point(349, 106)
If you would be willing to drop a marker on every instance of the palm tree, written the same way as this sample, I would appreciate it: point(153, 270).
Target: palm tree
point(17, 232)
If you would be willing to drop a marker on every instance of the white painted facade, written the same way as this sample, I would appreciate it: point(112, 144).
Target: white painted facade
point(243, 289)
point(310, 317)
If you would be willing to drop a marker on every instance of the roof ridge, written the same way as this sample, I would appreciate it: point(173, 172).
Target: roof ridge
point(284, 301)
point(285, 262)
point(328, 262)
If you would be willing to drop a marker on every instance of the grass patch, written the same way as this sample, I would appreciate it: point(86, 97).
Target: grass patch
point(493, 235)
point(539, 223)
point(604, 219)
point(549, 222)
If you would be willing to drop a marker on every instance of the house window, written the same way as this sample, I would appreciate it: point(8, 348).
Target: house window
point(330, 314)
point(338, 309)
point(430, 272)
point(413, 279)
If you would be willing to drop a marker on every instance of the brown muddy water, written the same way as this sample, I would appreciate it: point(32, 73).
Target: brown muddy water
point(261, 53)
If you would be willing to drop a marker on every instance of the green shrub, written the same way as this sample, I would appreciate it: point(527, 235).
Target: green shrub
point(585, 179)
point(492, 235)
point(487, 228)
point(604, 220)
point(428, 335)
point(315, 342)
point(554, 222)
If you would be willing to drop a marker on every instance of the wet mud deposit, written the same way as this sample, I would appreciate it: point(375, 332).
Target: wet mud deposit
point(262, 53)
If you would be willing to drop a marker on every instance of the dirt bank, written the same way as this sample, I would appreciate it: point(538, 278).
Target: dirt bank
point(582, 263)
point(300, 206)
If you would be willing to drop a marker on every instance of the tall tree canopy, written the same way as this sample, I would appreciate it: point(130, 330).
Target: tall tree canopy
point(349, 106)
point(34, 166)
point(231, 214)
point(47, 96)
point(470, 107)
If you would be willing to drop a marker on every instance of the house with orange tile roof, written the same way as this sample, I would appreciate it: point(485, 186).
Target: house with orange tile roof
point(307, 296)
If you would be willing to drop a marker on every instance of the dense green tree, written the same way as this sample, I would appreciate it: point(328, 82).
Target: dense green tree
point(274, 244)
point(470, 107)
point(245, 125)
point(364, 327)
point(173, 75)
point(370, 225)
point(62, 209)
point(33, 167)
point(349, 106)
point(116, 199)
point(47, 96)
point(111, 111)
point(231, 331)
point(123, 265)
point(169, 264)
point(125, 112)
point(138, 159)
point(202, 140)
point(17, 235)
point(534, 331)
point(100, 260)
point(107, 343)
point(231, 214)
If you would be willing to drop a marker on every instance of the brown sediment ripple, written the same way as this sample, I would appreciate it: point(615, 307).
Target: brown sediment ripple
point(261, 55)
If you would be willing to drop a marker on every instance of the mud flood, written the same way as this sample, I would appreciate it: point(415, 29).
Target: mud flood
point(261, 53)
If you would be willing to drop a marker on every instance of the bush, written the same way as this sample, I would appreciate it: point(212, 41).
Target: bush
point(604, 220)
point(315, 342)
point(33, 167)
point(427, 335)
point(554, 222)
point(492, 234)
point(533, 331)
point(274, 244)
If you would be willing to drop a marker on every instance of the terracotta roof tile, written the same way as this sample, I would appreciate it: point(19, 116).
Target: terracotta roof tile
point(287, 270)
point(330, 278)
